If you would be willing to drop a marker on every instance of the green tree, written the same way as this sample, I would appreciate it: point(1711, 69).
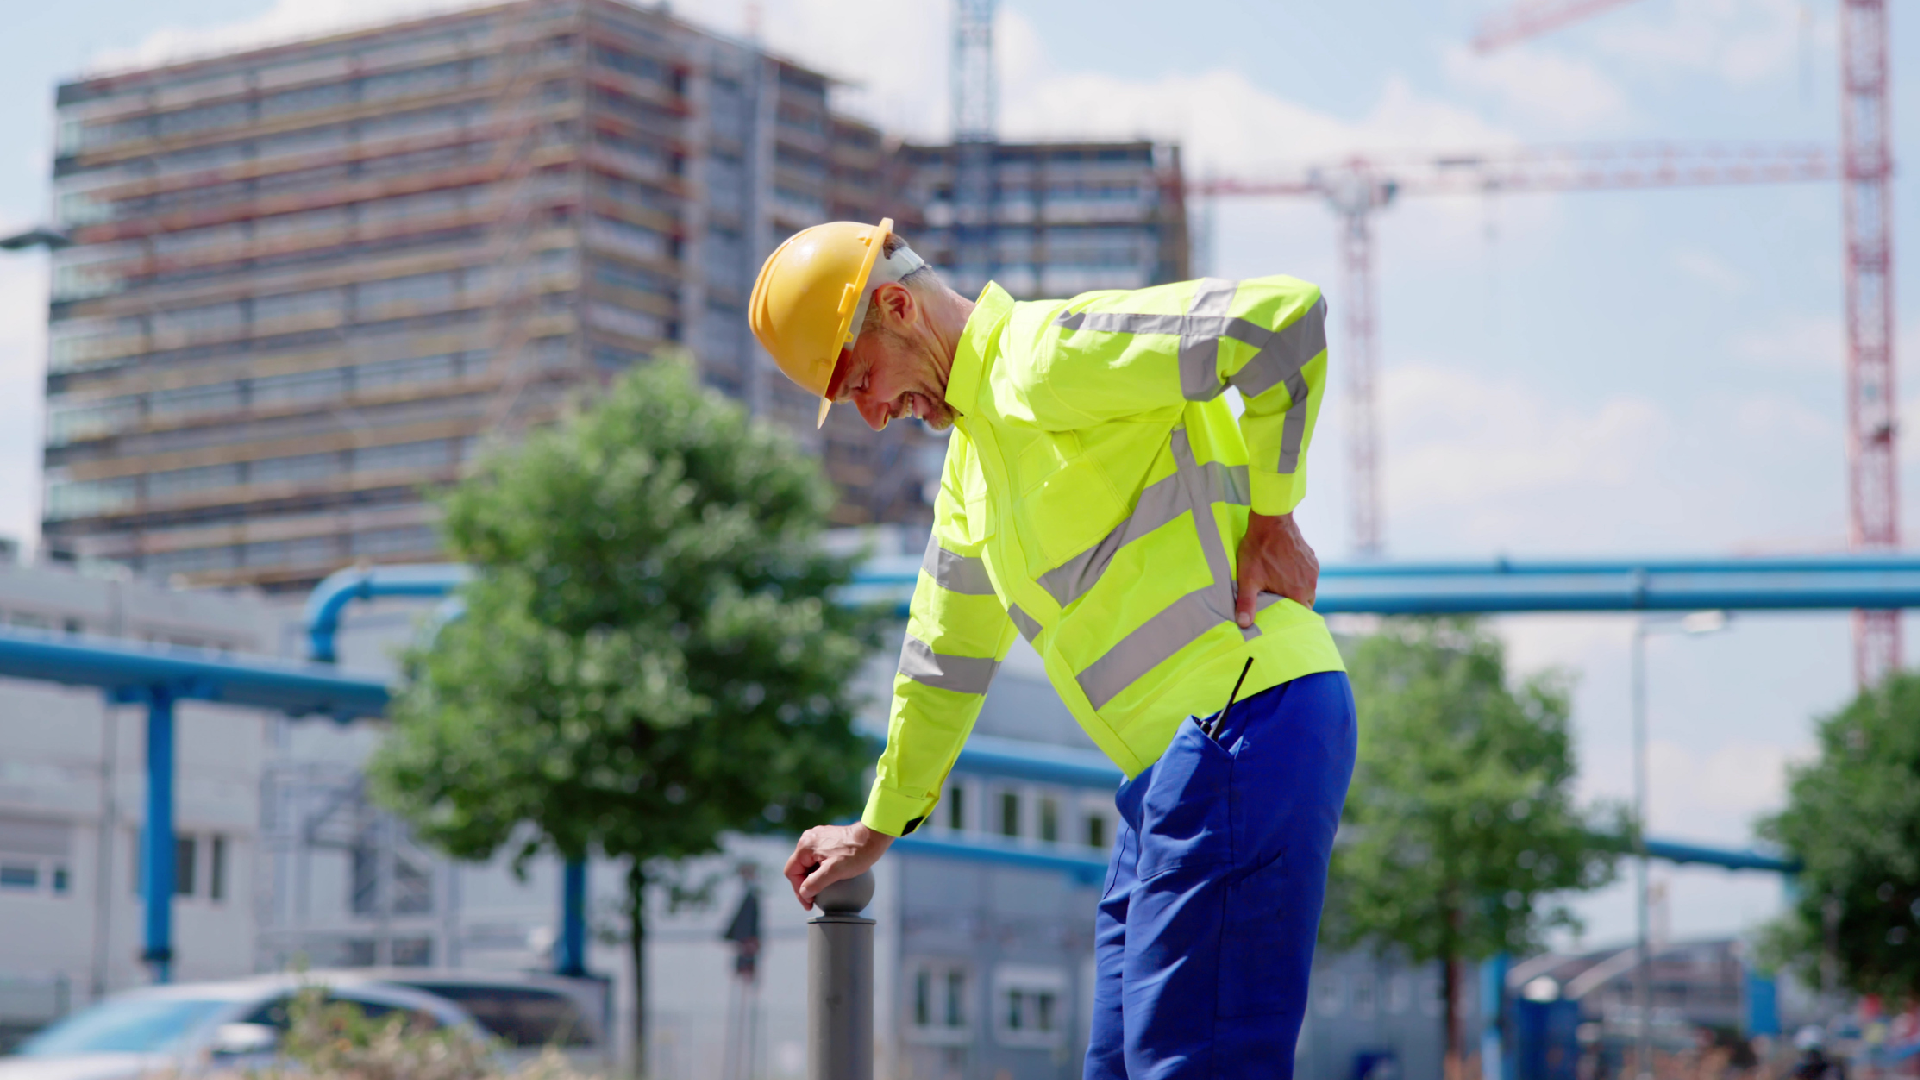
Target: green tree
point(1461, 823)
point(648, 659)
point(1852, 819)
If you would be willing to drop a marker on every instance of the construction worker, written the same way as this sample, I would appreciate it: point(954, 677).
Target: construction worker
point(1100, 498)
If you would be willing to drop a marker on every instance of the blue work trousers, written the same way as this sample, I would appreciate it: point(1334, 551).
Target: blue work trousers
point(1204, 938)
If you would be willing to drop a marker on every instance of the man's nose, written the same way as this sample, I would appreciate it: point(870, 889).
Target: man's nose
point(874, 411)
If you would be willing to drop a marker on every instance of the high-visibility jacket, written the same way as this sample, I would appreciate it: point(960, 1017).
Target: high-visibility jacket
point(1094, 494)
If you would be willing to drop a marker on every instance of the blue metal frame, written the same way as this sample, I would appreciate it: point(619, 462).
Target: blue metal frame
point(331, 597)
point(325, 608)
point(159, 677)
point(1518, 586)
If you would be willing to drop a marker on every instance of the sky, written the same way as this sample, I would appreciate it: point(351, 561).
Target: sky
point(1615, 373)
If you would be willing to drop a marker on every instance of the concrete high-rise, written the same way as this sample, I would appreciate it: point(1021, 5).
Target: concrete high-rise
point(1064, 217)
point(311, 280)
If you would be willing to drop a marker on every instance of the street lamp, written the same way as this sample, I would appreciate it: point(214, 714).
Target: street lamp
point(39, 236)
point(1695, 624)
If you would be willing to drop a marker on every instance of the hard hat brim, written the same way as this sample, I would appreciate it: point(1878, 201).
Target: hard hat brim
point(848, 305)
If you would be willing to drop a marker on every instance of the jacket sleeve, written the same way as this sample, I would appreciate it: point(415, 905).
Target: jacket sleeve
point(1112, 355)
point(958, 632)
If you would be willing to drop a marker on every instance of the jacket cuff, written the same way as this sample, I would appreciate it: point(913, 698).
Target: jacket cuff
point(1273, 494)
point(893, 812)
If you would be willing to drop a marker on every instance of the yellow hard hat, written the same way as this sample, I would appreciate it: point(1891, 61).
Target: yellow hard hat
point(810, 292)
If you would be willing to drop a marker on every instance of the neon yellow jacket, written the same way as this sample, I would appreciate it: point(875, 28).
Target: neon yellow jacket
point(1095, 490)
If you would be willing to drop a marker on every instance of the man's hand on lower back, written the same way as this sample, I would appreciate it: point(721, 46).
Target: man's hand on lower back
point(829, 853)
point(1274, 558)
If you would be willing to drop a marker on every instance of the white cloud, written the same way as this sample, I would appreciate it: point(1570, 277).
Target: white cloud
point(1709, 269)
point(1540, 84)
point(285, 20)
point(23, 313)
point(1797, 342)
point(1741, 42)
point(1459, 438)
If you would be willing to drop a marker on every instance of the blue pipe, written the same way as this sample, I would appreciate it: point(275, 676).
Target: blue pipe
point(1677, 851)
point(343, 587)
point(157, 842)
point(570, 948)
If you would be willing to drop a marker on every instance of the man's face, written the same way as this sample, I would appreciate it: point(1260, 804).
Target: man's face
point(894, 368)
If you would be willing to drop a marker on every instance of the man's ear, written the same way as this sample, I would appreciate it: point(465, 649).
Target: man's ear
point(897, 301)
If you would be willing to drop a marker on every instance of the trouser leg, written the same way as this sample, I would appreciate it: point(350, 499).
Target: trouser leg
point(1106, 1046)
point(1234, 839)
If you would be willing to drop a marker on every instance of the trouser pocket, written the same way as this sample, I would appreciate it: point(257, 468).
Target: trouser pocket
point(1184, 817)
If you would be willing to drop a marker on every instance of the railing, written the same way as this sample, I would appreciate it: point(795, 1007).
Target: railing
point(840, 983)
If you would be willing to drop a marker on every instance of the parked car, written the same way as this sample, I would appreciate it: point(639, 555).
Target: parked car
point(192, 1028)
point(527, 1012)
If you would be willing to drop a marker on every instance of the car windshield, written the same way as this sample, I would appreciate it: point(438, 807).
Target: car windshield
point(143, 1025)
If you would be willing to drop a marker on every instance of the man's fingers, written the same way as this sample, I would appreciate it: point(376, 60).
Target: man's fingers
point(800, 864)
point(823, 875)
point(1244, 594)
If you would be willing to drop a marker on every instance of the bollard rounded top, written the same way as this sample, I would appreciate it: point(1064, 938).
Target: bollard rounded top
point(847, 897)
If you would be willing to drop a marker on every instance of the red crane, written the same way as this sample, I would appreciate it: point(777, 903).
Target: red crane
point(1866, 155)
point(1360, 185)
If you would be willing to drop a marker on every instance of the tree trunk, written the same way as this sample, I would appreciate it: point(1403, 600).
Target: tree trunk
point(1450, 1010)
point(637, 940)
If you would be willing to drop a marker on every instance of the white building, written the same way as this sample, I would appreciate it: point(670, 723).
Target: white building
point(72, 795)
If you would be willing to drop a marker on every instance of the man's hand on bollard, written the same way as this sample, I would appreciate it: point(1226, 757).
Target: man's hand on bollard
point(1274, 558)
point(829, 853)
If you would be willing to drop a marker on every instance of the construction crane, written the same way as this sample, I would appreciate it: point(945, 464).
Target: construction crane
point(1359, 186)
point(975, 132)
point(1866, 155)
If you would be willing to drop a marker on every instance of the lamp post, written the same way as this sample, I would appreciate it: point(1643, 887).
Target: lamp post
point(1695, 624)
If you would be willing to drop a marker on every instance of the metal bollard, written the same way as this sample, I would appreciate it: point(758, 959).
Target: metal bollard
point(840, 983)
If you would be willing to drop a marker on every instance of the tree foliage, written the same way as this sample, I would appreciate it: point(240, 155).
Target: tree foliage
point(1852, 819)
point(648, 657)
point(1461, 825)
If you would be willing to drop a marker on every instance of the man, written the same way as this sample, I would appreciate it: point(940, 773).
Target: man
point(1100, 499)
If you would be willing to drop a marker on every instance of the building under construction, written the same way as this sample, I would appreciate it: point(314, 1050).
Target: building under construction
point(309, 282)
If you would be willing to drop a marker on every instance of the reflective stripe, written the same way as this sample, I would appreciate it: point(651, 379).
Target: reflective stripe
point(1200, 353)
point(1187, 618)
point(1029, 626)
point(956, 573)
point(1282, 360)
point(1151, 644)
point(1191, 485)
point(1282, 353)
point(961, 674)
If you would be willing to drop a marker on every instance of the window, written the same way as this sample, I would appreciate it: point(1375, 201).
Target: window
point(177, 482)
point(1097, 831)
point(293, 469)
point(1399, 993)
point(431, 454)
point(217, 867)
point(1029, 1005)
point(325, 385)
point(939, 1001)
point(1009, 813)
point(20, 876)
point(1050, 820)
point(1329, 993)
point(1363, 996)
point(183, 865)
point(956, 807)
point(194, 400)
point(414, 369)
point(415, 289)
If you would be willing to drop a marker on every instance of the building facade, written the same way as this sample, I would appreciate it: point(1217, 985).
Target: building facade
point(309, 281)
point(1060, 218)
point(72, 798)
